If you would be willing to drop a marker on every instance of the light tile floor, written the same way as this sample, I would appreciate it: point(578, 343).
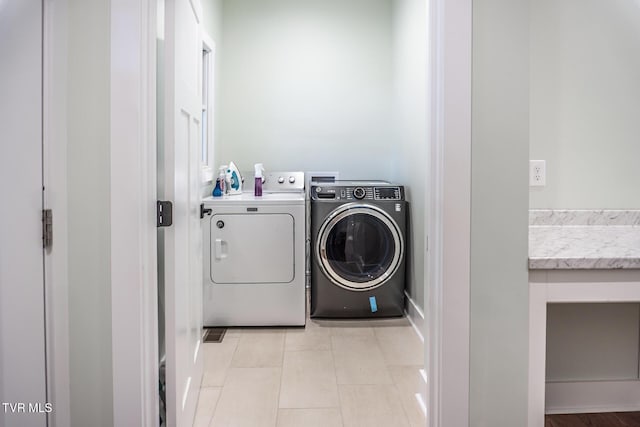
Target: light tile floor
point(329, 373)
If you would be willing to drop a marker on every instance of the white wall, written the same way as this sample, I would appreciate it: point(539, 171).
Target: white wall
point(212, 26)
point(88, 213)
point(306, 85)
point(585, 102)
point(212, 21)
point(499, 214)
point(409, 102)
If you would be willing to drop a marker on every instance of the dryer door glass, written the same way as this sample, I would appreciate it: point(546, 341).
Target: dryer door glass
point(360, 249)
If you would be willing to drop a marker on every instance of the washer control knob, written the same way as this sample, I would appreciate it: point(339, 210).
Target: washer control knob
point(292, 179)
point(359, 193)
point(318, 189)
point(281, 179)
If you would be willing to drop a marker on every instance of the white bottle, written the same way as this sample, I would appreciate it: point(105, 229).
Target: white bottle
point(222, 176)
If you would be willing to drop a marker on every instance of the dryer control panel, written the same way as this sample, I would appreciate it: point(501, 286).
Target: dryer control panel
point(283, 182)
point(355, 192)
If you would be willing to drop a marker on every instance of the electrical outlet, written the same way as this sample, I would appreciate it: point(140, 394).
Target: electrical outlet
point(537, 173)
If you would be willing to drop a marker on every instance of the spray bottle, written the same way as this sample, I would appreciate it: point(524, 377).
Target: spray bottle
point(259, 179)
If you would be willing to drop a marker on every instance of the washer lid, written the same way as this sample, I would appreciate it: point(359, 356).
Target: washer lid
point(359, 247)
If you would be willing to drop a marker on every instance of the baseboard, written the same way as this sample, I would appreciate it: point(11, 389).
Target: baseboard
point(421, 397)
point(415, 316)
point(592, 396)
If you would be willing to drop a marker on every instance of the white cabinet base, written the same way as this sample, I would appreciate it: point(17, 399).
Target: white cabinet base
point(569, 286)
point(592, 396)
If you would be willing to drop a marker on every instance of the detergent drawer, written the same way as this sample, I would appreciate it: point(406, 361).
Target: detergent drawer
point(253, 248)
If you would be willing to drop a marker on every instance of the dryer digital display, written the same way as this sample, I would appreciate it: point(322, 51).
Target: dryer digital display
point(387, 193)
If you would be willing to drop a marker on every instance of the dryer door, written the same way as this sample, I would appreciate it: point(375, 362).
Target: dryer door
point(359, 246)
point(252, 248)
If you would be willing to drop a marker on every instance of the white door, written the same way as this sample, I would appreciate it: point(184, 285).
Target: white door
point(22, 334)
point(265, 242)
point(183, 240)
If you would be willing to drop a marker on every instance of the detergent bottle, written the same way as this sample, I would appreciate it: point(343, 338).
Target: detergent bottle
point(217, 191)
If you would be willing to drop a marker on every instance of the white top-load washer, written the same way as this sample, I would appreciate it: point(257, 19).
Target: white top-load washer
point(254, 255)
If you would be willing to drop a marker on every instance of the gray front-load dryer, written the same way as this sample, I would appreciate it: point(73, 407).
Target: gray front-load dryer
point(358, 235)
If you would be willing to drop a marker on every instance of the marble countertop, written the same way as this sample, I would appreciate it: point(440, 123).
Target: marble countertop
point(584, 240)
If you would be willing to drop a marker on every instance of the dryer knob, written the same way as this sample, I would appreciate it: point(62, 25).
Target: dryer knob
point(281, 180)
point(292, 179)
point(359, 193)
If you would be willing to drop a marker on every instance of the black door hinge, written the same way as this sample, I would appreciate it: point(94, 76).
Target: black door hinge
point(204, 211)
point(165, 213)
point(47, 228)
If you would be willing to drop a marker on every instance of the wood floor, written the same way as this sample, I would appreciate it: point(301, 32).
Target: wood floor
point(612, 419)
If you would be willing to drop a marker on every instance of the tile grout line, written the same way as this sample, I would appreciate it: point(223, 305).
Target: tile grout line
point(394, 383)
point(224, 382)
point(204, 387)
point(335, 377)
point(404, 410)
point(284, 345)
point(216, 407)
point(226, 375)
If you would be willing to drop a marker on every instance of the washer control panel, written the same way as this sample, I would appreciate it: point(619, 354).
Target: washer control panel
point(357, 192)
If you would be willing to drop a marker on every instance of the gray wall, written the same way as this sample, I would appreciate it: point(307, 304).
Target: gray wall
point(499, 200)
point(306, 85)
point(88, 213)
point(585, 102)
point(409, 140)
point(572, 329)
point(585, 106)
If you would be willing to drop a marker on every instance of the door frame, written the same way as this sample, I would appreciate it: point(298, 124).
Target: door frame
point(133, 250)
point(133, 236)
point(134, 292)
point(447, 288)
point(54, 165)
point(133, 211)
